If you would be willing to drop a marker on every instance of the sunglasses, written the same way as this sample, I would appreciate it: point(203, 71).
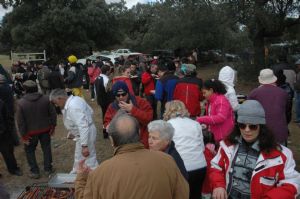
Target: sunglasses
point(252, 127)
point(121, 94)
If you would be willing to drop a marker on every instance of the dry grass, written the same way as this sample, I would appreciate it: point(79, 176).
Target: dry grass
point(5, 61)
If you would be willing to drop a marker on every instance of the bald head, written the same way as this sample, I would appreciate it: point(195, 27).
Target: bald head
point(124, 129)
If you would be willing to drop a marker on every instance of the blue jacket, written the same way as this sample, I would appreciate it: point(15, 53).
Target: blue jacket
point(165, 86)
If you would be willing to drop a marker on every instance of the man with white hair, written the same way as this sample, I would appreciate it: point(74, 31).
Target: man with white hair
point(274, 101)
point(78, 120)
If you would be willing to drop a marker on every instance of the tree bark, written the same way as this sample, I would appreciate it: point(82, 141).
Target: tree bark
point(259, 52)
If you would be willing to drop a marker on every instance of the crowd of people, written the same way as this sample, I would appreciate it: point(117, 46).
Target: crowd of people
point(174, 135)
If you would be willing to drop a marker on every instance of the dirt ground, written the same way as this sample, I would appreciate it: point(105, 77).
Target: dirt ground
point(63, 149)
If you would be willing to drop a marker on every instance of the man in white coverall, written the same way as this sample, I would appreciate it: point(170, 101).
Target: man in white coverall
point(78, 120)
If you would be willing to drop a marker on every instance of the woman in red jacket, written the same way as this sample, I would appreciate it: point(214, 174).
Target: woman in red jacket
point(148, 81)
point(250, 164)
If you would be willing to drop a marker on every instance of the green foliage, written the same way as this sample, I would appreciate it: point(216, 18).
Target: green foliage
point(60, 27)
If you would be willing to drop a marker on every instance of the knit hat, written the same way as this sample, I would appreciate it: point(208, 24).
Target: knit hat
point(251, 112)
point(2, 78)
point(119, 86)
point(29, 84)
point(266, 76)
point(188, 68)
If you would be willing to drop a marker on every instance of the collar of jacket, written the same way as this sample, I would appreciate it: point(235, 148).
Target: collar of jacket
point(213, 97)
point(68, 102)
point(127, 148)
point(170, 147)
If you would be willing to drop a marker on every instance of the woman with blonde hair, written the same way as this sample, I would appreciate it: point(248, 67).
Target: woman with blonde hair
point(188, 141)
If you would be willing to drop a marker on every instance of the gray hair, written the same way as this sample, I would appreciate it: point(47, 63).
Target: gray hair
point(56, 93)
point(124, 129)
point(165, 129)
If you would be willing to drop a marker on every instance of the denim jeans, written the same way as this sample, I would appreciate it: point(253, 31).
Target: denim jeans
point(45, 141)
point(297, 106)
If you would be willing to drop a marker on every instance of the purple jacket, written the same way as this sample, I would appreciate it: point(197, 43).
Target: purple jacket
point(220, 118)
point(274, 100)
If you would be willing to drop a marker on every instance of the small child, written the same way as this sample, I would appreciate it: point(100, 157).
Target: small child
point(209, 153)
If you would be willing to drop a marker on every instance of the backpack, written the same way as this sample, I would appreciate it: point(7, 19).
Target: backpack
point(43, 75)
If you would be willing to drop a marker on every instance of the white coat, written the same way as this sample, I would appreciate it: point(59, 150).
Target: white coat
point(78, 120)
point(228, 76)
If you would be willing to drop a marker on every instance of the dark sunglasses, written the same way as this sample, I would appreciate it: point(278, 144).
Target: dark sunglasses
point(252, 127)
point(121, 94)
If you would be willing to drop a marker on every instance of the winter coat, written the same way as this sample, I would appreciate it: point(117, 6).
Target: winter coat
point(164, 88)
point(35, 115)
point(188, 90)
point(141, 110)
point(227, 76)
point(6, 123)
point(6, 94)
point(74, 78)
point(188, 141)
point(148, 83)
point(42, 76)
point(103, 96)
point(274, 176)
point(93, 73)
point(171, 150)
point(133, 172)
point(220, 118)
point(56, 80)
point(274, 101)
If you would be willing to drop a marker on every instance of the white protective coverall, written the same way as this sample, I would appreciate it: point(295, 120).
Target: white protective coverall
point(227, 76)
point(78, 120)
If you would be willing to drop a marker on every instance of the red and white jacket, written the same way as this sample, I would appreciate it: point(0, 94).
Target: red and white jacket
point(274, 176)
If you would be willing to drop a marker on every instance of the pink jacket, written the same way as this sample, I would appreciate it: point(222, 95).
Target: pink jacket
point(93, 73)
point(220, 118)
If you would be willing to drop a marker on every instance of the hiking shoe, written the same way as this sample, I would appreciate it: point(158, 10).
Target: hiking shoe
point(34, 175)
point(49, 172)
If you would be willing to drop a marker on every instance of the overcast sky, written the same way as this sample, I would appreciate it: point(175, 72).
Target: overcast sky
point(129, 4)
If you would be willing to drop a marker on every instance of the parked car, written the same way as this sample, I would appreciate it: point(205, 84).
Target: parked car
point(103, 57)
point(232, 57)
point(211, 56)
point(163, 53)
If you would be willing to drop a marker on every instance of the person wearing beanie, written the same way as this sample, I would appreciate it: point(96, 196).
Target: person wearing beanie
point(188, 90)
point(36, 121)
point(228, 77)
point(136, 106)
point(78, 120)
point(249, 162)
point(274, 101)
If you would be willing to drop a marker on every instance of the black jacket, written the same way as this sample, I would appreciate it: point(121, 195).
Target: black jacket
point(6, 123)
point(171, 150)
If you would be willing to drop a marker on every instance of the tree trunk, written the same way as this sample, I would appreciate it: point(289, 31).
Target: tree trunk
point(259, 52)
